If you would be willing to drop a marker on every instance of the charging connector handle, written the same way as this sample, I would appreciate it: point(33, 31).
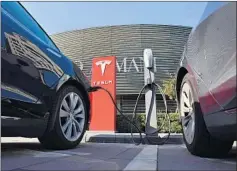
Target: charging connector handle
point(94, 88)
point(148, 58)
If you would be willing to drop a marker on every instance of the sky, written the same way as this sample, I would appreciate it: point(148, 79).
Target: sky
point(56, 17)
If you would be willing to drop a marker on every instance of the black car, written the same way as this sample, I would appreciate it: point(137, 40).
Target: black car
point(43, 93)
point(206, 82)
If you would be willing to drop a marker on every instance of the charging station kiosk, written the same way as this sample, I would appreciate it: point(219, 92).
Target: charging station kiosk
point(149, 77)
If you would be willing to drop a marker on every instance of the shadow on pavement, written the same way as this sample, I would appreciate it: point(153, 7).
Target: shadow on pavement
point(20, 145)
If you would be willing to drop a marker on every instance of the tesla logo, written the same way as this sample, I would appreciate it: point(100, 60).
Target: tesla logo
point(103, 65)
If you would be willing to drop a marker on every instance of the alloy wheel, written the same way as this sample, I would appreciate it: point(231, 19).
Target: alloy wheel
point(187, 113)
point(72, 116)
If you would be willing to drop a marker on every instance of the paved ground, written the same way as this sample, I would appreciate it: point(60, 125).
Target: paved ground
point(27, 154)
point(176, 157)
point(88, 156)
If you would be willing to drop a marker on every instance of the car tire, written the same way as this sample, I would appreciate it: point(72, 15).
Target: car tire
point(57, 138)
point(201, 143)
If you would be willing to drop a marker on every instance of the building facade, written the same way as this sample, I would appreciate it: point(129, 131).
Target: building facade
point(127, 43)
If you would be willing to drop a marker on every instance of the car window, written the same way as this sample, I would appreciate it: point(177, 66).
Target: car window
point(21, 15)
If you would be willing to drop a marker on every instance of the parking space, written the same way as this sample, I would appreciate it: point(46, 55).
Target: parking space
point(27, 154)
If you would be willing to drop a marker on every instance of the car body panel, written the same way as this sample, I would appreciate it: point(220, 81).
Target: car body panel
point(25, 62)
point(33, 71)
point(210, 57)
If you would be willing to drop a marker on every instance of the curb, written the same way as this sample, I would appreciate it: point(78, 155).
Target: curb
point(101, 137)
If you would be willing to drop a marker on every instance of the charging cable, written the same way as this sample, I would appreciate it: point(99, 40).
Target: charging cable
point(150, 85)
point(96, 88)
point(153, 87)
point(132, 122)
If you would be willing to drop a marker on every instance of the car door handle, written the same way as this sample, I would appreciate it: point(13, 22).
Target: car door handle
point(22, 63)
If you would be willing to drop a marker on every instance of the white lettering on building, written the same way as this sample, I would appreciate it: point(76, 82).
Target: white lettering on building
point(124, 65)
point(134, 63)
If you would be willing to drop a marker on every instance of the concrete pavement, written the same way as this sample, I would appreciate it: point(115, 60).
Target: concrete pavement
point(176, 157)
point(88, 156)
point(27, 154)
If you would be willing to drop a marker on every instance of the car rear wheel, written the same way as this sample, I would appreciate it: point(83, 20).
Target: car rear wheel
point(71, 120)
point(195, 134)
